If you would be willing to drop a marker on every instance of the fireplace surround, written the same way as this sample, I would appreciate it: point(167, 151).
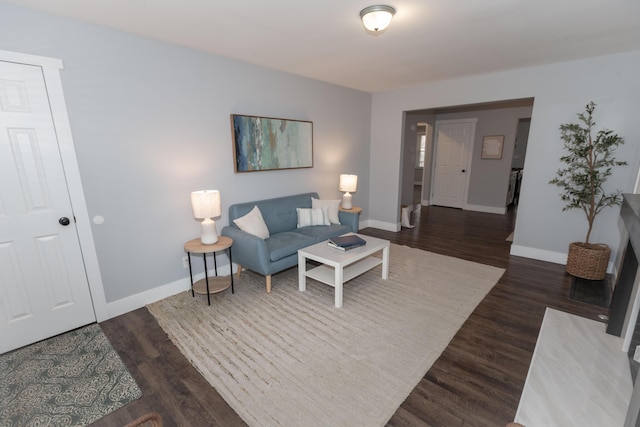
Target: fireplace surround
point(625, 302)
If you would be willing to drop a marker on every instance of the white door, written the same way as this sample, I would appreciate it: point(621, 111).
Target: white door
point(43, 284)
point(453, 144)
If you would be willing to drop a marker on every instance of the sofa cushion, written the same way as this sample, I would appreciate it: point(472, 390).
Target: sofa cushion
point(332, 205)
point(279, 213)
point(253, 223)
point(308, 216)
point(287, 243)
point(324, 232)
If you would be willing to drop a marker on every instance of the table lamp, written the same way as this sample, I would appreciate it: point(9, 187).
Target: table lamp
point(348, 183)
point(206, 206)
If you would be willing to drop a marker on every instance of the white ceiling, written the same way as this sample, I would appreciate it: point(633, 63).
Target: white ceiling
point(427, 40)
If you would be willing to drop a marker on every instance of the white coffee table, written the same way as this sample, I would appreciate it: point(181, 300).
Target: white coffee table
point(339, 267)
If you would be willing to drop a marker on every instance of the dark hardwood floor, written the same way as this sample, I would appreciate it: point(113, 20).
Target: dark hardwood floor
point(477, 380)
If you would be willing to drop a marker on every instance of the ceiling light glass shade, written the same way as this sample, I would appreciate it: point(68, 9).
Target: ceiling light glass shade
point(377, 18)
point(206, 205)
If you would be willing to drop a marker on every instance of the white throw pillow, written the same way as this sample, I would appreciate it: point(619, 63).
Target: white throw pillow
point(307, 217)
point(332, 205)
point(253, 223)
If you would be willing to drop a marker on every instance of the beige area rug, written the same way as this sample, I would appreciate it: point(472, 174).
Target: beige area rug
point(509, 237)
point(291, 358)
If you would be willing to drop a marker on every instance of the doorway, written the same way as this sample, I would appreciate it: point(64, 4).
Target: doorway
point(45, 288)
point(487, 189)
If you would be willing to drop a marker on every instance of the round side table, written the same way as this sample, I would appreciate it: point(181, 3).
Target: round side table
point(354, 209)
point(214, 284)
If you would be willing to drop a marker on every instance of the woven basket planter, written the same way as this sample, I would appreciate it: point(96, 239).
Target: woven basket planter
point(588, 260)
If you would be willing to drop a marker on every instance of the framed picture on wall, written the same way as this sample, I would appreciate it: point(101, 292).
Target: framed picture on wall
point(266, 143)
point(492, 146)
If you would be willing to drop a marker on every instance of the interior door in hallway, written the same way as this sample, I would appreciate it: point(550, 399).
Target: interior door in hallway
point(454, 139)
point(44, 288)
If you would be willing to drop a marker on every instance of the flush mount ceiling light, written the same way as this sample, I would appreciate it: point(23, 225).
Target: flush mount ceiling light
point(377, 18)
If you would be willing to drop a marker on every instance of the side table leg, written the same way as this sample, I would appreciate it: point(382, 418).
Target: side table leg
point(338, 284)
point(206, 277)
point(302, 270)
point(385, 262)
point(231, 270)
point(190, 273)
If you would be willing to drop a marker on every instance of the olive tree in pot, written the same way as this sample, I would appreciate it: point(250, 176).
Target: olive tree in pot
point(589, 163)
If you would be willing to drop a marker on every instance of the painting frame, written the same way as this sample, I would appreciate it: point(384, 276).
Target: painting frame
point(492, 147)
point(269, 143)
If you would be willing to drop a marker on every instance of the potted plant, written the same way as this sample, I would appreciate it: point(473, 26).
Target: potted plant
point(589, 163)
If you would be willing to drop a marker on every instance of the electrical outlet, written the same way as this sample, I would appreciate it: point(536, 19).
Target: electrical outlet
point(185, 262)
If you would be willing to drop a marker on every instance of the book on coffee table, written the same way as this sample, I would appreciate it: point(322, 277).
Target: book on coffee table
point(344, 243)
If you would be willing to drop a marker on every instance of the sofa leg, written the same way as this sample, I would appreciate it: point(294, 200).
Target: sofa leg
point(268, 283)
point(239, 270)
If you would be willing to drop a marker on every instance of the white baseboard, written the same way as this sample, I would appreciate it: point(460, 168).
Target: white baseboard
point(487, 209)
point(539, 254)
point(134, 302)
point(549, 256)
point(381, 225)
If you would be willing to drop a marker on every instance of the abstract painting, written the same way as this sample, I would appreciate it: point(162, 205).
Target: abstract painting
point(265, 143)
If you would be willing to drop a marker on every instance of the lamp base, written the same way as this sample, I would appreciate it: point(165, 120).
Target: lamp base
point(346, 201)
point(208, 232)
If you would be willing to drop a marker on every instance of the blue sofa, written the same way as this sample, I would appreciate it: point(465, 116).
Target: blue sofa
point(280, 250)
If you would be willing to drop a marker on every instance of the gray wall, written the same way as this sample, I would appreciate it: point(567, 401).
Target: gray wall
point(489, 179)
point(150, 123)
point(543, 230)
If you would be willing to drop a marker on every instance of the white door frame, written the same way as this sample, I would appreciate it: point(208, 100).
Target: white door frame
point(51, 71)
point(472, 122)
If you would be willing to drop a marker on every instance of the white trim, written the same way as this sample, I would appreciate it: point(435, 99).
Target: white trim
point(134, 302)
point(382, 225)
point(24, 58)
point(51, 72)
point(139, 300)
point(549, 256)
point(539, 254)
point(487, 209)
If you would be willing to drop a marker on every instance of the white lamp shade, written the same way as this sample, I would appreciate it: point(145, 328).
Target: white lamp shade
point(348, 182)
point(377, 18)
point(205, 204)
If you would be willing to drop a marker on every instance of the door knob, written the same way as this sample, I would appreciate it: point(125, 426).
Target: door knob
point(464, 170)
point(64, 221)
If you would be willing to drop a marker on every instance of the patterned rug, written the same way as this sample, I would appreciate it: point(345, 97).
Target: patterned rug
point(72, 379)
point(291, 358)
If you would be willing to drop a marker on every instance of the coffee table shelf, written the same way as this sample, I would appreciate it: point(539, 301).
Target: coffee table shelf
point(326, 274)
point(338, 267)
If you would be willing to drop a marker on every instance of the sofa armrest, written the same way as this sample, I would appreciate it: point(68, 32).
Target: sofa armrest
point(350, 219)
point(249, 251)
